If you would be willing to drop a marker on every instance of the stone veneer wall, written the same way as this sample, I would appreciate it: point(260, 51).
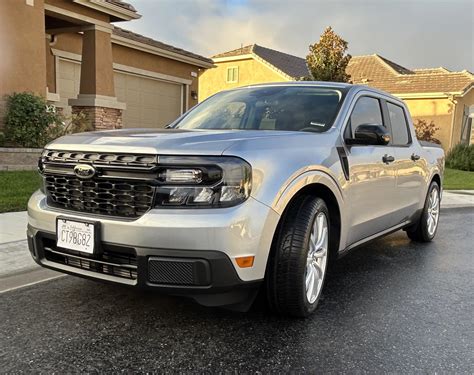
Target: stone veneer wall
point(19, 159)
point(102, 118)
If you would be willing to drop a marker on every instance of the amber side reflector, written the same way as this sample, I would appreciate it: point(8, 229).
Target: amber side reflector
point(245, 262)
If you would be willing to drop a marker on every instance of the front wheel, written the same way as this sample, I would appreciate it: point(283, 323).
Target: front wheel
point(427, 226)
point(297, 266)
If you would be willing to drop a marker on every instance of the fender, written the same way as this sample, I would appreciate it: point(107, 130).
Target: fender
point(306, 178)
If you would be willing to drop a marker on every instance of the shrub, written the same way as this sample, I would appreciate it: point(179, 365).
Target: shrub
point(27, 120)
point(461, 157)
point(2, 139)
point(75, 123)
point(425, 131)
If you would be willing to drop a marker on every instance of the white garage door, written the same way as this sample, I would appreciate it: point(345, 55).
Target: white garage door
point(150, 102)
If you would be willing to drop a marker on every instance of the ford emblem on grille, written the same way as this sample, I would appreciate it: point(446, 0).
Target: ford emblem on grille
point(84, 171)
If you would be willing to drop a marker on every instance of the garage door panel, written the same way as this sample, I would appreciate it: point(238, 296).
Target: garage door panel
point(150, 102)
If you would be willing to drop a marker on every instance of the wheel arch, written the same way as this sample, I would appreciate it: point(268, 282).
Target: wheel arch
point(324, 188)
point(436, 178)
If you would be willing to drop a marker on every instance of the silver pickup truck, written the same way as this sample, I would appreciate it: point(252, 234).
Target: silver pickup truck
point(257, 188)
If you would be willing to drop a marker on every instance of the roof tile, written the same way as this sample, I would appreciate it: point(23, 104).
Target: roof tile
point(155, 43)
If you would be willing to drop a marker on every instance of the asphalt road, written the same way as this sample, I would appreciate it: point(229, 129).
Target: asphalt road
point(391, 306)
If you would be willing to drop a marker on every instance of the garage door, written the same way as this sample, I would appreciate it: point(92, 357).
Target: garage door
point(150, 102)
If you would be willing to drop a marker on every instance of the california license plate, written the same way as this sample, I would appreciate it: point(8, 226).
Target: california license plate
point(76, 235)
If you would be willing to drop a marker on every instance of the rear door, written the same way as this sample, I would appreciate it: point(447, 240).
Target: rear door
point(409, 166)
point(371, 180)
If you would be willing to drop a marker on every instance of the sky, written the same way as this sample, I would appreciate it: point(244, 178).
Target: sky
point(414, 34)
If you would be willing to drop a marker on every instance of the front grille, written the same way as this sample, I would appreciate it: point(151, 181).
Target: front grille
point(124, 198)
point(112, 263)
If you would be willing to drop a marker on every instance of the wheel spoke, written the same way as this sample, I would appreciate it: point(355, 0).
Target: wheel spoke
point(433, 212)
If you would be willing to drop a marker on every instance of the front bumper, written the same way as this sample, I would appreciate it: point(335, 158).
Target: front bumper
point(196, 249)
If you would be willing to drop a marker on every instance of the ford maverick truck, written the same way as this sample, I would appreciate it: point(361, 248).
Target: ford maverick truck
point(256, 188)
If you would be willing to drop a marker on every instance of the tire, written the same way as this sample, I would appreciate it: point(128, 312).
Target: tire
point(297, 256)
point(425, 230)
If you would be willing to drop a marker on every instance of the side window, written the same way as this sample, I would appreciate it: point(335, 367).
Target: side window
point(399, 124)
point(366, 111)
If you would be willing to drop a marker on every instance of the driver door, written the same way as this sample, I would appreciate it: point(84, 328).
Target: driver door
point(372, 180)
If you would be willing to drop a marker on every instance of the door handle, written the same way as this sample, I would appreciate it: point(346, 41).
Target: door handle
point(388, 159)
point(415, 157)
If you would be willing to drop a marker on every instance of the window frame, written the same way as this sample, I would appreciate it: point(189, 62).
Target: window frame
point(236, 77)
point(392, 141)
point(383, 114)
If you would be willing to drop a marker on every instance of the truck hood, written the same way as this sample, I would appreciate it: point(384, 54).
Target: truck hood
point(160, 141)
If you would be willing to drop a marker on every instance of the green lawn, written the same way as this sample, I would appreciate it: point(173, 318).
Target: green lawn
point(16, 187)
point(458, 180)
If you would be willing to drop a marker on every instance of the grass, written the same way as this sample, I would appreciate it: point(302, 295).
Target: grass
point(458, 180)
point(17, 187)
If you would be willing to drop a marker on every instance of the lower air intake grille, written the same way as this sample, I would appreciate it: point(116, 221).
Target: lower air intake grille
point(175, 271)
point(109, 263)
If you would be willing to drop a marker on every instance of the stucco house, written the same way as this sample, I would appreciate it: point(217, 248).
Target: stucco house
point(438, 95)
point(71, 52)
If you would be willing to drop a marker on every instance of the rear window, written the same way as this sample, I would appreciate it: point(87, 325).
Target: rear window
point(287, 108)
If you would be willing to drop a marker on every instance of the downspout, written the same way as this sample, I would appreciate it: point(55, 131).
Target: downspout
point(454, 102)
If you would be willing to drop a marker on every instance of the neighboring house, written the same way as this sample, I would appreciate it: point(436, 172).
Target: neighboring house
point(249, 65)
point(438, 95)
point(70, 52)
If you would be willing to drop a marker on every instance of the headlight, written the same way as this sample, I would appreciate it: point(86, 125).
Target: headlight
point(202, 181)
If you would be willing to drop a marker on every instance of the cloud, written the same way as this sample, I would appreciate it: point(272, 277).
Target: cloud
point(414, 34)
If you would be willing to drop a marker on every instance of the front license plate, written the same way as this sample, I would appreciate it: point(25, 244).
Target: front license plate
point(76, 235)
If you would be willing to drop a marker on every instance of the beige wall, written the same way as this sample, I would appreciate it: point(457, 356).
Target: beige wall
point(250, 72)
point(440, 111)
point(22, 49)
point(446, 113)
point(466, 100)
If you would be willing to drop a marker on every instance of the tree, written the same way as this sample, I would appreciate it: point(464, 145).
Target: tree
point(426, 131)
point(327, 59)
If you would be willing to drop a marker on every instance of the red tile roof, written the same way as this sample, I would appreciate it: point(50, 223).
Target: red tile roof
point(122, 4)
point(155, 43)
point(386, 75)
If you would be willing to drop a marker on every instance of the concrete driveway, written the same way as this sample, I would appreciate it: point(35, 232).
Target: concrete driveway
point(391, 306)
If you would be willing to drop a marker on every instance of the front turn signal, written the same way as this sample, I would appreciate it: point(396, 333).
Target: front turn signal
point(245, 262)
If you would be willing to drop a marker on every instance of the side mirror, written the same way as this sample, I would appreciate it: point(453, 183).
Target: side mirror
point(369, 134)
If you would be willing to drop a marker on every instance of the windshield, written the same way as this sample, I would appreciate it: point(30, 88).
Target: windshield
point(290, 108)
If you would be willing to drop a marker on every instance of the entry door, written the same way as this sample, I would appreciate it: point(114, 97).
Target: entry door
point(371, 179)
point(410, 168)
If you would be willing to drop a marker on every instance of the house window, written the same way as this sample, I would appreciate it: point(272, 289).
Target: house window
point(232, 74)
